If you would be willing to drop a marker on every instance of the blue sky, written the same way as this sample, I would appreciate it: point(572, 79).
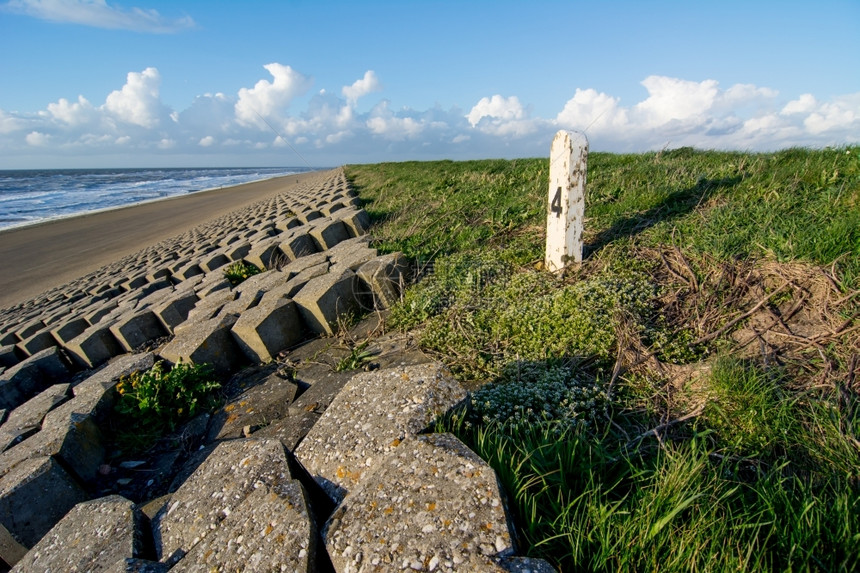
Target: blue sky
point(104, 83)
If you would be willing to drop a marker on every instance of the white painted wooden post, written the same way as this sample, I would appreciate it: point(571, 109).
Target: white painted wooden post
point(566, 208)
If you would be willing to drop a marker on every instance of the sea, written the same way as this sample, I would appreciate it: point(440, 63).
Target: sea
point(33, 196)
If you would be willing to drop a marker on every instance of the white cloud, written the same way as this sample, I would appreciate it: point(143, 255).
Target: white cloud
point(804, 104)
point(37, 139)
point(99, 14)
point(359, 88)
point(78, 113)
point(502, 116)
point(588, 109)
point(138, 100)
point(267, 98)
point(497, 108)
point(385, 123)
point(673, 99)
point(133, 123)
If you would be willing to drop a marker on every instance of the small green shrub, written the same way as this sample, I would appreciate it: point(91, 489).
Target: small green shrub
point(158, 399)
point(534, 393)
point(239, 271)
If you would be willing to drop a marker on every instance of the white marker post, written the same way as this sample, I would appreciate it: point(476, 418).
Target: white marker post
point(568, 165)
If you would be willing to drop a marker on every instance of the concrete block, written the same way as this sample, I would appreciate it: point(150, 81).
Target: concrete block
point(10, 355)
point(30, 328)
point(33, 497)
point(26, 379)
point(96, 535)
point(309, 215)
point(27, 418)
point(357, 221)
point(214, 260)
point(94, 346)
point(216, 490)
point(270, 530)
point(209, 307)
point(95, 395)
point(42, 340)
point(257, 407)
point(374, 413)
point(137, 328)
point(327, 233)
point(351, 253)
point(207, 342)
point(298, 244)
point(385, 277)
point(266, 254)
point(437, 498)
point(263, 331)
point(174, 309)
point(325, 298)
point(238, 251)
point(69, 329)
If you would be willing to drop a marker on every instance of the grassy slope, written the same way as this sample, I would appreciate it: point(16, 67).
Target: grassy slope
point(695, 379)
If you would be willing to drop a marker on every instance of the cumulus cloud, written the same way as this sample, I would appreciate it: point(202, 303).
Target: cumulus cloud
point(99, 14)
point(138, 101)
point(359, 88)
point(77, 113)
point(502, 116)
point(267, 98)
point(328, 128)
point(385, 123)
point(701, 114)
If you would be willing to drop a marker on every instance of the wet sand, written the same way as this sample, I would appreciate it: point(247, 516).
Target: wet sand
point(38, 257)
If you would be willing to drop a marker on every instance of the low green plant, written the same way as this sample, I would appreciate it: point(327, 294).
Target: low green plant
point(537, 393)
point(358, 356)
point(239, 271)
point(156, 400)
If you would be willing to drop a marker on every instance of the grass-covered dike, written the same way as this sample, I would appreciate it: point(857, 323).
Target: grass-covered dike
point(686, 399)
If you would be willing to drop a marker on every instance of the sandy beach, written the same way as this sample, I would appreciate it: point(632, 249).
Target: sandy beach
point(38, 257)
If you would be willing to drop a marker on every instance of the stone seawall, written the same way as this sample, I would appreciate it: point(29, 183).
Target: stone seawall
point(303, 468)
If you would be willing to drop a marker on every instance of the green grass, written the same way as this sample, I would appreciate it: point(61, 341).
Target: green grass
point(687, 398)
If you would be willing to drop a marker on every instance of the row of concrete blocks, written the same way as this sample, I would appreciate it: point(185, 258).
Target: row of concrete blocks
point(157, 262)
point(403, 501)
point(136, 281)
point(114, 327)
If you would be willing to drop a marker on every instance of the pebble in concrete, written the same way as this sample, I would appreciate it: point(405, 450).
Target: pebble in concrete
point(430, 505)
point(370, 417)
point(216, 490)
point(33, 497)
point(95, 535)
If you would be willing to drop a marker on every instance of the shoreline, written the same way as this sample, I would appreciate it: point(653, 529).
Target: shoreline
point(144, 202)
point(49, 253)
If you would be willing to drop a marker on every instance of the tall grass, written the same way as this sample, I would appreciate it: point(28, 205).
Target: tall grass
point(588, 502)
point(762, 475)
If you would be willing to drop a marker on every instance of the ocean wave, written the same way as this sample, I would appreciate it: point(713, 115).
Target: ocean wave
point(28, 196)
